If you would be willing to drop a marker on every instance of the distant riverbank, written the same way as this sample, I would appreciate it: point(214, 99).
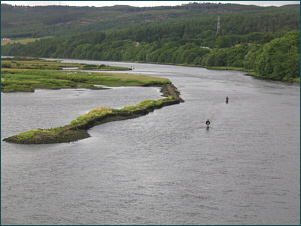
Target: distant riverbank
point(249, 72)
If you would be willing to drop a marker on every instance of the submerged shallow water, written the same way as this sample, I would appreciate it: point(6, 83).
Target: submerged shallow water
point(162, 168)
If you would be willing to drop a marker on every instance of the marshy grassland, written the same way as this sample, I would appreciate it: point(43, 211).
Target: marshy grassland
point(27, 75)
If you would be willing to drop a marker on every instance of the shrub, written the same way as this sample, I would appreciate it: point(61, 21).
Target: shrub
point(5, 65)
point(159, 102)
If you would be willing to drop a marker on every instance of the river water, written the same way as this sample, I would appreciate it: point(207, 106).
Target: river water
point(162, 168)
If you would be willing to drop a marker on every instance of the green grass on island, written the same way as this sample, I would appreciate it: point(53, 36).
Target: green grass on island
point(27, 75)
point(77, 129)
point(24, 75)
point(36, 63)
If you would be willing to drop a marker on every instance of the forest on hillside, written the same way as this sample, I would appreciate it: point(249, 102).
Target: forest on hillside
point(41, 21)
point(265, 41)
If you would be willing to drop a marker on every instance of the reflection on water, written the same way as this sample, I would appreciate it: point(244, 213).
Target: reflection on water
point(162, 168)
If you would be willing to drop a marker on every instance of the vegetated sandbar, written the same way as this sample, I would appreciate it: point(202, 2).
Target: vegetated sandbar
point(77, 130)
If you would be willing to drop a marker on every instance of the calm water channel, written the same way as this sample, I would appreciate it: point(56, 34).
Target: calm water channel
point(162, 168)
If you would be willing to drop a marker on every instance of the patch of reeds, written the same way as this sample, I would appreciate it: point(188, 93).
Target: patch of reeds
point(53, 79)
point(103, 67)
point(36, 63)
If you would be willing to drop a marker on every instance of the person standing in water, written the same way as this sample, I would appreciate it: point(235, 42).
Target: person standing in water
point(208, 123)
point(227, 100)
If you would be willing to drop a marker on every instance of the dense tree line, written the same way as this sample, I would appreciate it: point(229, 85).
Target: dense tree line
point(267, 43)
point(276, 59)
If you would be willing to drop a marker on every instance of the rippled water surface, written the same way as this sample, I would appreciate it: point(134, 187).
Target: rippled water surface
point(162, 168)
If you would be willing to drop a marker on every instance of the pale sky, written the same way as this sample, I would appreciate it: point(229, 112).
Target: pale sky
point(142, 3)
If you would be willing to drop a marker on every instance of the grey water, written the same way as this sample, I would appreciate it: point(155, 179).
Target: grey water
point(162, 168)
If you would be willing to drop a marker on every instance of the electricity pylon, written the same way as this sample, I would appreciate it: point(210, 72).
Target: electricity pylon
point(218, 26)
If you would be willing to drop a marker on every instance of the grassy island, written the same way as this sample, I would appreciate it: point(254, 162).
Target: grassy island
point(18, 79)
point(26, 75)
point(77, 129)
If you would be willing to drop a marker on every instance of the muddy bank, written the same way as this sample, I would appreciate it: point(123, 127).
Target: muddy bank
point(71, 133)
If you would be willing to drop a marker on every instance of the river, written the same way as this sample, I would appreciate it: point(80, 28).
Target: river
point(162, 168)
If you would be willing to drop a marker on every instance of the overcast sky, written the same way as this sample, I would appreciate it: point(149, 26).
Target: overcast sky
point(142, 3)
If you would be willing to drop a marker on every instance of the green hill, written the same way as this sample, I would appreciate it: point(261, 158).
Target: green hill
point(40, 21)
